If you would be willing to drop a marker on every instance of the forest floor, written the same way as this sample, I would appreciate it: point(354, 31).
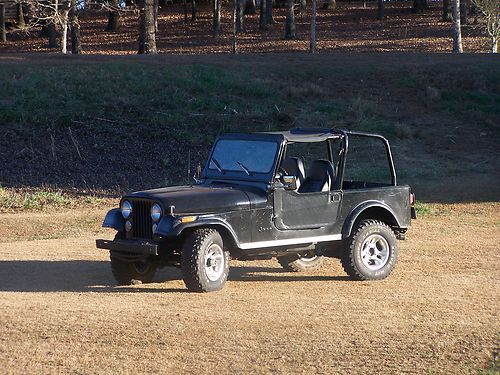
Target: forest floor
point(351, 27)
point(437, 313)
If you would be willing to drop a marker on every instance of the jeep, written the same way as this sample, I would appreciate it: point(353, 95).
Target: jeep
point(299, 195)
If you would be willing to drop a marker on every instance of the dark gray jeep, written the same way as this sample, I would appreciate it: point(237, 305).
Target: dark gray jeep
point(299, 195)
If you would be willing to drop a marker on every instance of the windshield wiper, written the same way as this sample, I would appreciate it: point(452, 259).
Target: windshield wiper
point(217, 165)
point(247, 171)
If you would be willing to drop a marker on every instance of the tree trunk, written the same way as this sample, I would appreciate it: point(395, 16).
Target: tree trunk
point(262, 15)
point(114, 20)
point(494, 48)
point(20, 15)
point(64, 31)
point(147, 36)
point(235, 11)
point(193, 10)
point(329, 4)
point(217, 6)
point(420, 6)
point(76, 47)
point(155, 15)
point(240, 19)
point(250, 7)
point(463, 12)
point(3, 31)
point(446, 10)
point(269, 12)
point(185, 11)
point(312, 43)
point(380, 10)
point(457, 31)
point(290, 32)
point(51, 29)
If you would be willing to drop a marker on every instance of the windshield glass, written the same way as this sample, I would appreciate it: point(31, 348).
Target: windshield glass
point(245, 156)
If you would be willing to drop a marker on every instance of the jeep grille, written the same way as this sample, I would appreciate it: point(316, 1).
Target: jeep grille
point(141, 219)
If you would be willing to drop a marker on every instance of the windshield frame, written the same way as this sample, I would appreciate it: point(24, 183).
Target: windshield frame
point(241, 174)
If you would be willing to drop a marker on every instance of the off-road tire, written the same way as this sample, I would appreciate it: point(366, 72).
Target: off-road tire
point(125, 273)
point(352, 259)
point(292, 264)
point(198, 273)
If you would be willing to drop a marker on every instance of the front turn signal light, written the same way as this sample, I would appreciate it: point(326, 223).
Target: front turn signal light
point(188, 219)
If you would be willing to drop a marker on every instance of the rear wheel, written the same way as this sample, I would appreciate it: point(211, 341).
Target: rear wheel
point(371, 251)
point(304, 263)
point(204, 262)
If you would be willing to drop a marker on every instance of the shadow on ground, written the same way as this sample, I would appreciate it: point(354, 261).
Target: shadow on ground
point(95, 276)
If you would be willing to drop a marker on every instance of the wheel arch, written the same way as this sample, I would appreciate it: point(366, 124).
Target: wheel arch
point(370, 210)
point(227, 233)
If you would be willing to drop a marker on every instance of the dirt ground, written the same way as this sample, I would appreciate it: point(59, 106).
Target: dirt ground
point(351, 27)
point(437, 313)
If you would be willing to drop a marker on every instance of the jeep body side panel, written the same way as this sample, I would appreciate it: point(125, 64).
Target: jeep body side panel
point(393, 200)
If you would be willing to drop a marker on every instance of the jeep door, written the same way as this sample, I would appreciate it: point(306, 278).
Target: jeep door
point(297, 209)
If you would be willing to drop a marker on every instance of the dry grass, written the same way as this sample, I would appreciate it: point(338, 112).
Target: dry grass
point(438, 313)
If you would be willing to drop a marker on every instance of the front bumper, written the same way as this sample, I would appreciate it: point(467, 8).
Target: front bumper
point(128, 246)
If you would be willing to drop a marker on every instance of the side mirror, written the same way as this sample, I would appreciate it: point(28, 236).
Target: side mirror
point(289, 182)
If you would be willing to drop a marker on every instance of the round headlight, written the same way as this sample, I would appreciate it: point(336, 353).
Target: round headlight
point(156, 212)
point(126, 209)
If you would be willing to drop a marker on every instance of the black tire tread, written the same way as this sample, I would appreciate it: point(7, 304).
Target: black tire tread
point(347, 259)
point(124, 273)
point(299, 266)
point(190, 260)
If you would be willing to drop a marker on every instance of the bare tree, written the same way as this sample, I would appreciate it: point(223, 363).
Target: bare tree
point(263, 15)
point(329, 4)
point(312, 43)
point(76, 47)
point(457, 29)
point(235, 31)
point(290, 30)
point(217, 8)
point(269, 12)
point(240, 16)
point(147, 32)
point(114, 19)
point(490, 9)
point(3, 31)
point(420, 6)
point(446, 10)
point(380, 10)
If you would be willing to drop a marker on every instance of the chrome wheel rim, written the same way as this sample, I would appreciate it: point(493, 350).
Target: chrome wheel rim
point(141, 267)
point(375, 252)
point(214, 262)
point(308, 258)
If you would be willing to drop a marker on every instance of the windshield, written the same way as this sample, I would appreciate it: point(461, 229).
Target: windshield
point(247, 156)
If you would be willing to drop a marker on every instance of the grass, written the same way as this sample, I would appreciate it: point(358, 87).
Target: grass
point(422, 209)
point(13, 200)
point(130, 125)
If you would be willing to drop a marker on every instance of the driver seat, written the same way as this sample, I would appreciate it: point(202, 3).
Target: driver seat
point(320, 177)
point(294, 167)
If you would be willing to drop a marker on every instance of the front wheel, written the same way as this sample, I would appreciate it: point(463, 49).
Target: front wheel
point(371, 251)
point(126, 272)
point(302, 264)
point(204, 262)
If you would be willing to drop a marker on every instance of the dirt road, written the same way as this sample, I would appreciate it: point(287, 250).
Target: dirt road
point(438, 312)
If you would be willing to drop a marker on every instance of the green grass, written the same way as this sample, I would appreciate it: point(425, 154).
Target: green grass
point(13, 200)
point(422, 209)
point(113, 108)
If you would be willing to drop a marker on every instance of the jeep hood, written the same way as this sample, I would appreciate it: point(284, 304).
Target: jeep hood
point(201, 199)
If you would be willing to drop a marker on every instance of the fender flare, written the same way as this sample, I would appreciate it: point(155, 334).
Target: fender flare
point(358, 210)
point(114, 219)
point(171, 227)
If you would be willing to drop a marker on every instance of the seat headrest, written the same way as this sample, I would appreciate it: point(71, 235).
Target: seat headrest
point(321, 170)
point(294, 167)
